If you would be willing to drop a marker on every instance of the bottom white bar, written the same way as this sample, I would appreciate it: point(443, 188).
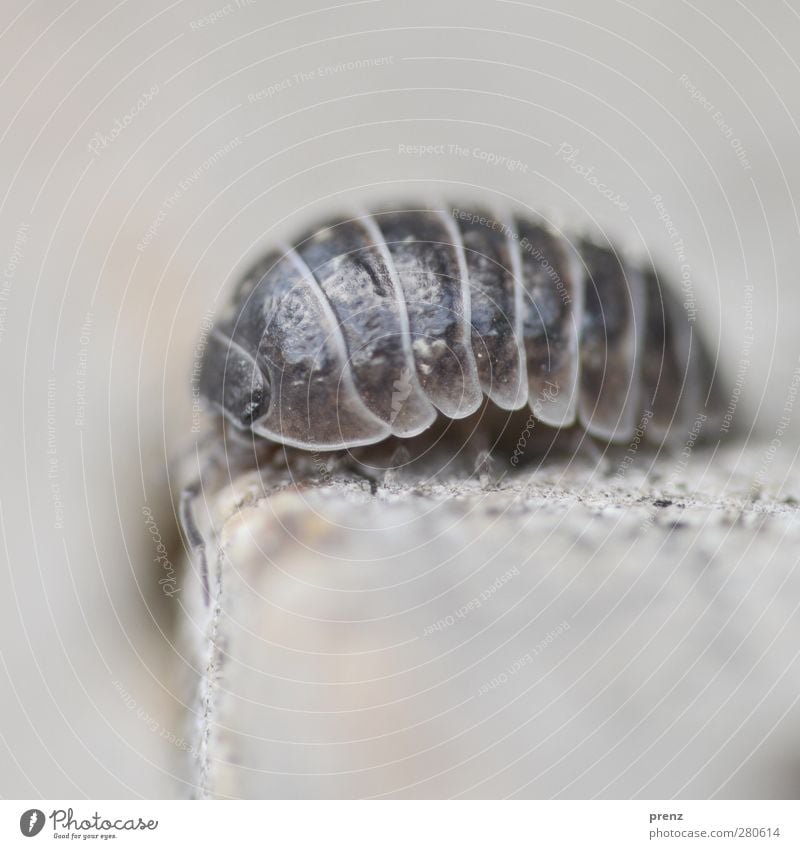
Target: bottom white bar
point(389, 824)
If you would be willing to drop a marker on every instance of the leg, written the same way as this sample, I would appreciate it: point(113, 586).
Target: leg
point(206, 456)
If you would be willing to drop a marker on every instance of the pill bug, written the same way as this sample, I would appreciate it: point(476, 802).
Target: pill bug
point(376, 323)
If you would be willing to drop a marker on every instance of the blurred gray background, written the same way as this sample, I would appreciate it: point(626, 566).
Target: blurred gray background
point(150, 149)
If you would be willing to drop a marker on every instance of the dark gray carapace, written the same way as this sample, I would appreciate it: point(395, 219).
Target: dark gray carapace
point(375, 323)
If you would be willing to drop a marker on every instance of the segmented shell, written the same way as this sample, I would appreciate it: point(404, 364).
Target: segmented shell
point(373, 324)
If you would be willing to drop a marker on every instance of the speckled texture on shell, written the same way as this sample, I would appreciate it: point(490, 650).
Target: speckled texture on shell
point(373, 324)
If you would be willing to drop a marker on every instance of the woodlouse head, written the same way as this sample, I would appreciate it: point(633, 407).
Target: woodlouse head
point(233, 383)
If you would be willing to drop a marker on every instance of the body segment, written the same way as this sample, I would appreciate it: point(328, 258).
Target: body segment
point(377, 322)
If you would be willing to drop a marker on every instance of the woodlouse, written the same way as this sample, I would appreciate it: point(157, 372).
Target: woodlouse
point(373, 324)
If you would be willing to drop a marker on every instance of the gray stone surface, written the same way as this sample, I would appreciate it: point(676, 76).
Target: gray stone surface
point(563, 632)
